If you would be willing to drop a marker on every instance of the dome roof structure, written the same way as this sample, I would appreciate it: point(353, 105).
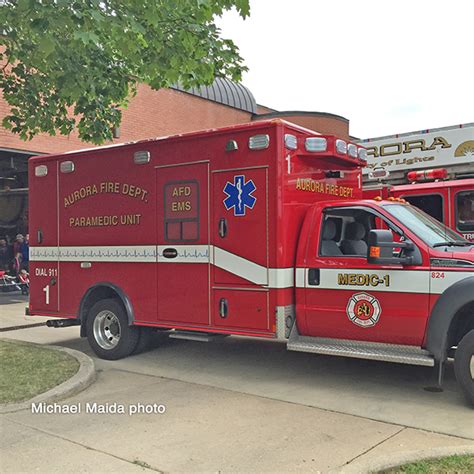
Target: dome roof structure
point(227, 92)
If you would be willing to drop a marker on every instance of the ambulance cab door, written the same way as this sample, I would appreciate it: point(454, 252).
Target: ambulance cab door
point(44, 238)
point(183, 254)
point(348, 298)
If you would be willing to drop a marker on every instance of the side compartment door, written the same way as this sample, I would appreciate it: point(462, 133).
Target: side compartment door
point(44, 243)
point(348, 298)
point(183, 254)
point(239, 236)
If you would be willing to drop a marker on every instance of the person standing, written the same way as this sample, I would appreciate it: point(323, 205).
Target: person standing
point(25, 252)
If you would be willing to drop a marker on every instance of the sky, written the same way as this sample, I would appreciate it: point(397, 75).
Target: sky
point(387, 66)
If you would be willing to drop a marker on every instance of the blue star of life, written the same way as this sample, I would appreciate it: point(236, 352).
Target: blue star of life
point(239, 195)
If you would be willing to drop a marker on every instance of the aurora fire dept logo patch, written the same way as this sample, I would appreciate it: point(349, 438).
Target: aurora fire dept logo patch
point(239, 195)
point(363, 310)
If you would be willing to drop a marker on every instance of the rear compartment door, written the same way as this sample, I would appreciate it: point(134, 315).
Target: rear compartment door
point(44, 244)
point(183, 252)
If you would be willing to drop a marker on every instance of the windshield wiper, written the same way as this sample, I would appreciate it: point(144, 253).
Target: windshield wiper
point(453, 243)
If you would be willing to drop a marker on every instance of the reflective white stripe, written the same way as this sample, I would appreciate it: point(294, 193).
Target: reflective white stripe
point(241, 267)
point(402, 281)
point(438, 285)
point(129, 253)
point(258, 274)
point(300, 277)
point(281, 277)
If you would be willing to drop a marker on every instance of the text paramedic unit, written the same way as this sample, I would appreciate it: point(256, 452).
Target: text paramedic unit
point(258, 230)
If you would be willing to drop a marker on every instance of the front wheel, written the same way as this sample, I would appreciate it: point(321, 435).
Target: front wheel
point(108, 331)
point(464, 365)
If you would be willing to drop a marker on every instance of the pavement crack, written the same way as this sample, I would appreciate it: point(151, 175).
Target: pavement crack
point(375, 446)
point(135, 462)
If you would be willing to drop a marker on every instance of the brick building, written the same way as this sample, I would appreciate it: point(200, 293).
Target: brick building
point(150, 114)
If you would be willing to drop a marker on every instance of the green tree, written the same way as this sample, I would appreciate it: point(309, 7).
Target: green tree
point(70, 64)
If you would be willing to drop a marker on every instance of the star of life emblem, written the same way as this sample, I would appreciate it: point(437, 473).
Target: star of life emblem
point(239, 195)
point(363, 310)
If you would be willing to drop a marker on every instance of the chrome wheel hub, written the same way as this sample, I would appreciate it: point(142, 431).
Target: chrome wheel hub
point(107, 329)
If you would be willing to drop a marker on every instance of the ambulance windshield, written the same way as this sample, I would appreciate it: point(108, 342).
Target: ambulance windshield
point(428, 229)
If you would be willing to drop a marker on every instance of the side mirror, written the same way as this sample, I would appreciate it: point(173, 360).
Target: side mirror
point(380, 249)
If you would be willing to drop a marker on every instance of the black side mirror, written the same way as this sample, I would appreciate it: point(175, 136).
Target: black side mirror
point(380, 249)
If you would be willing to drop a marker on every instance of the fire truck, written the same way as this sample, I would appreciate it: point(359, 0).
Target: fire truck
point(255, 230)
point(432, 169)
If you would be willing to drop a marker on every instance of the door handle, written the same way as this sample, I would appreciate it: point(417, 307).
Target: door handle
point(313, 276)
point(170, 253)
point(223, 308)
point(222, 227)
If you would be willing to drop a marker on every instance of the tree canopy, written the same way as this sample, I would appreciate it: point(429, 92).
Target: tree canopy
point(73, 64)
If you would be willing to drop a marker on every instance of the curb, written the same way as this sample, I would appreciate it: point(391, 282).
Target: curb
point(395, 460)
point(84, 377)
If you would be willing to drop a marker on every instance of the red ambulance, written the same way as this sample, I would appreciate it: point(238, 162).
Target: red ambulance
point(256, 230)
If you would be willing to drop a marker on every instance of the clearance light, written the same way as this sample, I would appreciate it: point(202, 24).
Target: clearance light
point(141, 157)
point(341, 146)
point(41, 170)
point(426, 175)
point(66, 167)
point(363, 154)
point(259, 142)
point(316, 144)
point(291, 142)
point(352, 150)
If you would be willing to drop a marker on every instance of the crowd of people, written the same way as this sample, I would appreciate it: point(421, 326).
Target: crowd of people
point(15, 260)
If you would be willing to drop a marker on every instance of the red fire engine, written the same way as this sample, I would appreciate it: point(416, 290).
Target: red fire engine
point(432, 169)
point(257, 230)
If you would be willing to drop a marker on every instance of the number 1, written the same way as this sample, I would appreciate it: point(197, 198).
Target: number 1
point(46, 290)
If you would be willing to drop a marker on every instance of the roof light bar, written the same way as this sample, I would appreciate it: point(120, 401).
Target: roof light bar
point(352, 150)
point(291, 142)
point(259, 142)
point(362, 154)
point(341, 146)
point(316, 144)
point(426, 175)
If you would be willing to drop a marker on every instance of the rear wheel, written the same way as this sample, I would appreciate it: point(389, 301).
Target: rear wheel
point(464, 365)
point(108, 331)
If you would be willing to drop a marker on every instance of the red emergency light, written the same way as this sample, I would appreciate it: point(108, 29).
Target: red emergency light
point(427, 175)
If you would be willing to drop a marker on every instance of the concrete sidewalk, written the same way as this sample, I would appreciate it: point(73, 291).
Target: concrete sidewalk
point(203, 429)
point(238, 405)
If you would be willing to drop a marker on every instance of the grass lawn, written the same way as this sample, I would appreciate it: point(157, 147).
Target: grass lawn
point(448, 465)
point(27, 370)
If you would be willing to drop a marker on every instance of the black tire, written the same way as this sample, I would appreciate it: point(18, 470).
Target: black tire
point(144, 341)
point(462, 365)
point(108, 331)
